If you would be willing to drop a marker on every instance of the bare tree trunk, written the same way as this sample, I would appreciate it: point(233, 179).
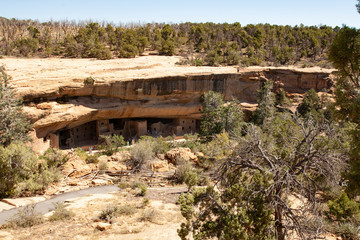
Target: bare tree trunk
point(280, 235)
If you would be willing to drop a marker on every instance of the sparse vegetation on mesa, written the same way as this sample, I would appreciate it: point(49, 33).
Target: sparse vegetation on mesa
point(200, 43)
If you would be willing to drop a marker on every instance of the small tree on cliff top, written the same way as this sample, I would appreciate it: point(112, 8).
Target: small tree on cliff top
point(13, 123)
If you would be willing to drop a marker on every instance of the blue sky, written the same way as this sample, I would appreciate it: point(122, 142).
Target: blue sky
point(281, 12)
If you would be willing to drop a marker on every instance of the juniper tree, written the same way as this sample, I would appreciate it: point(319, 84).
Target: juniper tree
point(345, 56)
point(219, 116)
point(254, 184)
point(13, 123)
point(266, 104)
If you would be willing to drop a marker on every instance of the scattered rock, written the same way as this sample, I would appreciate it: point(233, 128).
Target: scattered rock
point(159, 166)
point(200, 155)
point(180, 154)
point(104, 158)
point(98, 182)
point(77, 164)
point(122, 156)
point(73, 183)
point(116, 166)
point(161, 156)
point(103, 226)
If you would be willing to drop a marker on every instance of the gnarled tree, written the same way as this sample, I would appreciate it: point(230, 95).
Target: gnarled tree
point(256, 184)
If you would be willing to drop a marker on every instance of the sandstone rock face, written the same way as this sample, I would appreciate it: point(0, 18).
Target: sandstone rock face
point(176, 155)
point(144, 87)
point(122, 156)
point(159, 166)
point(75, 167)
point(170, 97)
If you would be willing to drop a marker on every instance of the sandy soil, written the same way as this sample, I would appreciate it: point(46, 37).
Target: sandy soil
point(162, 224)
point(41, 74)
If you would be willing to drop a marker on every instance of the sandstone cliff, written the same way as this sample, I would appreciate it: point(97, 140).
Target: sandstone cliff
point(145, 87)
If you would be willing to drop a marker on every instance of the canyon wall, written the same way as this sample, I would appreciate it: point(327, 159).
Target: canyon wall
point(68, 106)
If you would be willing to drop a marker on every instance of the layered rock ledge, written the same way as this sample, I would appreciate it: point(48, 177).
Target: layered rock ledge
point(56, 97)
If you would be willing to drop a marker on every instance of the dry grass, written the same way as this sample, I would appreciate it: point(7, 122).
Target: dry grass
point(131, 218)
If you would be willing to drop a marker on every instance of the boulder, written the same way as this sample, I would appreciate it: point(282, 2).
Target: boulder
point(159, 166)
point(103, 226)
point(75, 167)
point(181, 154)
point(116, 166)
point(104, 158)
point(121, 156)
point(99, 182)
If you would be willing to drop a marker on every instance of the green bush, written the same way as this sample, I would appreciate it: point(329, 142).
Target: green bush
point(161, 145)
point(101, 52)
point(198, 62)
point(85, 156)
point(143, 190)
point(112, 211)
point(111, 144)
point(124, 185)
point(128, 51)
point(167, 48)
point(141, 186)
point(347, 230)
point(282, 99)
point(92, 158)
point(60, 213)
point(54, 157)
point(81, 154)
point(141, 152)
point(23, 172)
point(149, 215)
point(27, 46)
point(126, 210)
point(37, 181)
point(189, 175)
point(186, 201)
point(103, 165)
point(212, 58)
point(108, 213)
point(311, 103)
point(25, 217)
point(343, 208)
point(89, 81)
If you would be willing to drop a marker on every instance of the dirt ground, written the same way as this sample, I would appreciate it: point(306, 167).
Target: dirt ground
point(159, 218)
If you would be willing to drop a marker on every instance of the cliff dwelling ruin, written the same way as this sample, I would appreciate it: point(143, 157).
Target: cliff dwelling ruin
point(159, 98)
point(90, 133)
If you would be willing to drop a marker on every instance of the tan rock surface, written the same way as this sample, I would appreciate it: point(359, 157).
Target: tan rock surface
point(19, 202)
point(181, 154)
point(159, 166)
point(122, 156)
point(44, 74)
point(75, 167)
point(103, 226)
point(143, 87)
point(5, 206)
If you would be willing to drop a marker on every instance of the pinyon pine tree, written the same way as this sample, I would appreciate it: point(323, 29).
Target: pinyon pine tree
point(13, 123)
